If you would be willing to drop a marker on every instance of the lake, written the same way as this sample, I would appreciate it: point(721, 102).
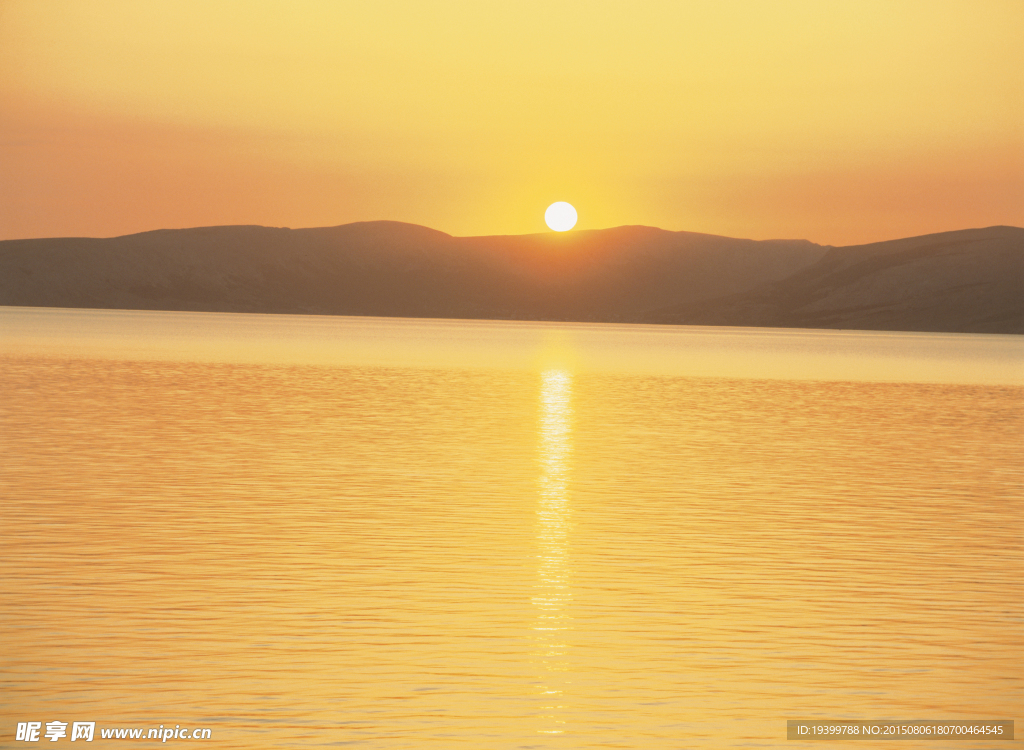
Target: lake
point(390, 533)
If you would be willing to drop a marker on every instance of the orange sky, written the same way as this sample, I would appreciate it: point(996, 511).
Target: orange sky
point(839, 122)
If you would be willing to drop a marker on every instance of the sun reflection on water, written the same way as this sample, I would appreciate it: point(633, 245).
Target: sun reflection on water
point(553, 592)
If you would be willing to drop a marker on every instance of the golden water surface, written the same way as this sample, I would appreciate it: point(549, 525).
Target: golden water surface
point(524, 551)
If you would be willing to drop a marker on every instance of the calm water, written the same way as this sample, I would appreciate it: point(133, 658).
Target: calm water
point(396, 534)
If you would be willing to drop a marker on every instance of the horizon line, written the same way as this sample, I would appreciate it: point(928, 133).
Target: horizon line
point(550, 233)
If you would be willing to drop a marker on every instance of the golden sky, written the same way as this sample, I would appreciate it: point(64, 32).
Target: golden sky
point(837, 121)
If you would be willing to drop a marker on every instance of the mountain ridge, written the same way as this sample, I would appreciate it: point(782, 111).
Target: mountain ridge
point(969, 280)
point(965, 280)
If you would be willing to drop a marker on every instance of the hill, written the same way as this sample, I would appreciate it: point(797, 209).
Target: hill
point(971, 281)
point(393, 269)
point(956, 281)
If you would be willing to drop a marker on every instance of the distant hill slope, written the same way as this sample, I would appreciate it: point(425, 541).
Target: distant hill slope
point(956, 281)
point(966, 281)
point(393, 269)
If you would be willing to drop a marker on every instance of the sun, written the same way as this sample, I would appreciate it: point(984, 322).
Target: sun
point(560, 216)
